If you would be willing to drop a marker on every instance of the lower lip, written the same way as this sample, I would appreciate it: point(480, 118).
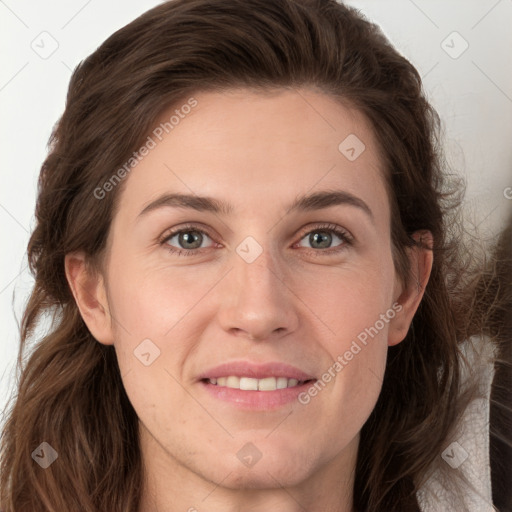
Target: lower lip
point(256, 399)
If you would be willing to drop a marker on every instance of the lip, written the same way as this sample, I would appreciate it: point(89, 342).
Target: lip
point(256, 371)
point(255, 400)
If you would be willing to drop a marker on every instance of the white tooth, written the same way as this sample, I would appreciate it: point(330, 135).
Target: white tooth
point(248, 384)
point(252, 384)
point(267, 384)
point(281, 383)
point(233, 382)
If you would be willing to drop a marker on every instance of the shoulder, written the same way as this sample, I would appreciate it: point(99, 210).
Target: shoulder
point(461, 477)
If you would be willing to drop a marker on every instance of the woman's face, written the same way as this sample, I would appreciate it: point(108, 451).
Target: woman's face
point(265, 293)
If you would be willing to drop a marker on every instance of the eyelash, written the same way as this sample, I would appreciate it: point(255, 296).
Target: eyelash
point(332, 228)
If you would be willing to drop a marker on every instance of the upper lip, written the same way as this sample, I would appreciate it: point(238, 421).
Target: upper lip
point(255, 370)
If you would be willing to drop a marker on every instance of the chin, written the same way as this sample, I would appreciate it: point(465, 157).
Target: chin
point(264, 474)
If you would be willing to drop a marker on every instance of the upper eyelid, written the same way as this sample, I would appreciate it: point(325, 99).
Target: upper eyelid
point(170, 233)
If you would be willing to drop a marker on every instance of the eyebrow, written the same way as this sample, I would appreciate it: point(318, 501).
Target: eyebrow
point(303, 203)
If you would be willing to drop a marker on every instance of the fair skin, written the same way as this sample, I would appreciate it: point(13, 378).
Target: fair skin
point(295, 303)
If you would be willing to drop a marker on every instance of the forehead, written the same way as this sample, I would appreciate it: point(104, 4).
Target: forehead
point(255, 149)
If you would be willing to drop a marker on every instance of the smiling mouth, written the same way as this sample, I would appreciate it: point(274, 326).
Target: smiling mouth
point(252, 384)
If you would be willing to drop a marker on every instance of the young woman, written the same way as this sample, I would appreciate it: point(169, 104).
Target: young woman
point(243, 240)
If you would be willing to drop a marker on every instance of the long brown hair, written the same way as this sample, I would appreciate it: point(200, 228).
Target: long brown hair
point(70, 392)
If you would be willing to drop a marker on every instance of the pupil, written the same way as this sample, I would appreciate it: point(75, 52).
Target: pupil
point(326, 238)
point(186, 239)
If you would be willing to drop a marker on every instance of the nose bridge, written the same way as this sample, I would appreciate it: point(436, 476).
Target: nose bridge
point(259, 281)
point(256, 261)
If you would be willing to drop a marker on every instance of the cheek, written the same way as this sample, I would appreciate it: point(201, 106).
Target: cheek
point(158, 319)
point(356, 305)
point(152, 301)
point(358, 309)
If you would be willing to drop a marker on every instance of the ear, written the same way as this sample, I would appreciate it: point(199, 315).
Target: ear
point(421, 258)
point(90, 295)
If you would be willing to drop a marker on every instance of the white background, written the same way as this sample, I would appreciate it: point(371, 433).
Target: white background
point(473, 94)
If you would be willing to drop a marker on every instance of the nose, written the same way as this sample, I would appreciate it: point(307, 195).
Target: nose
point(259, 303)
